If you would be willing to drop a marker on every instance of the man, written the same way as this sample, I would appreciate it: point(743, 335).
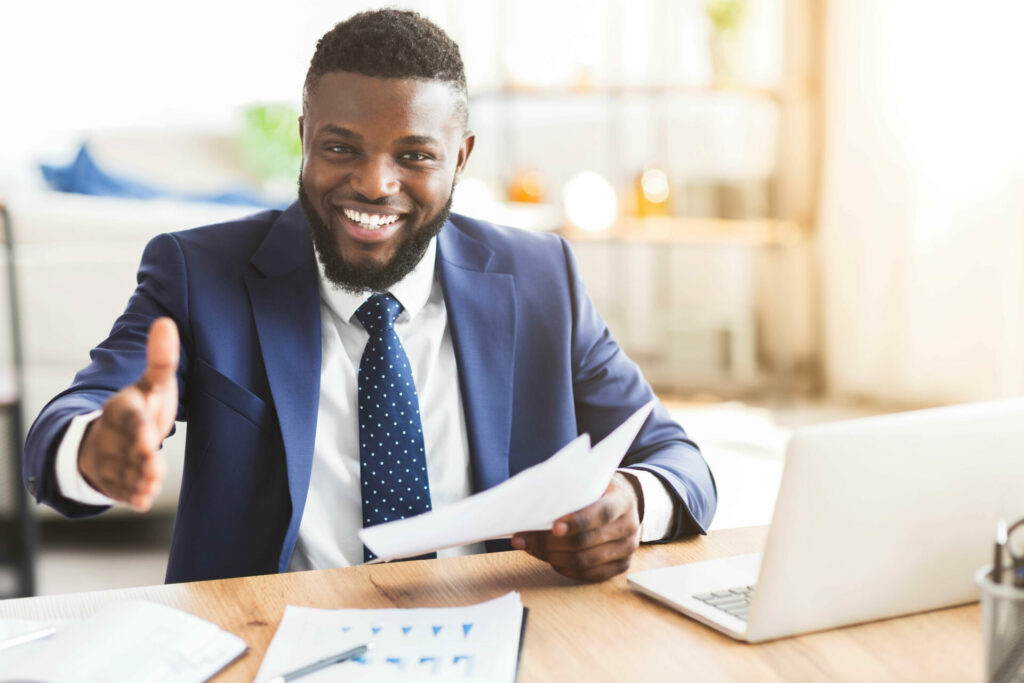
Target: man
point(363, 355)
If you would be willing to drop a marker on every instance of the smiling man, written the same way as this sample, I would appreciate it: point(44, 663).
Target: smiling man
point(364, 355)
point(381, 157)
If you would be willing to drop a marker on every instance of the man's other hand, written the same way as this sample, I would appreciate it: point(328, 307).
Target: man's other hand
point(120, 453)
point(592, 544)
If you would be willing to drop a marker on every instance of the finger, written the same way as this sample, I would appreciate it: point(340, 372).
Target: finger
point(133, 484)
point(626, 526)
point(162, 352)
point(120, 455)
point(594, 564)
point(147, 438)
point(606, 510)
point(131, 432)
point(143, 501)
point(125, 474)
point(118, 482)
point(617, 499)
point(596, 531)
point(530, 541)
point(155, 471)
point(144, 466)
point(599, 573)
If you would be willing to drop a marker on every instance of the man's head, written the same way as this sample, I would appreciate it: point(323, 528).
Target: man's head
point(384, 141)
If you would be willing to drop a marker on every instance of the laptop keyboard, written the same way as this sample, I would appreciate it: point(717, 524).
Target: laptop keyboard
point(734, 601)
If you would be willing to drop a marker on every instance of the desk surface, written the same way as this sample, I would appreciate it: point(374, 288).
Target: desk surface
point(593, 632)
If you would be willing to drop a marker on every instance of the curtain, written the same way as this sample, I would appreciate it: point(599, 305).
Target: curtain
point(921, 220)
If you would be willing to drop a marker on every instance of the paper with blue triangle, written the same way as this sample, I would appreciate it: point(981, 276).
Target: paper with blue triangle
point(472, 643)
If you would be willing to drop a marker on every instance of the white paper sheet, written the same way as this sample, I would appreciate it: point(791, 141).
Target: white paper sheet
point(474, 643)
point(569, 480)
point(130, 640)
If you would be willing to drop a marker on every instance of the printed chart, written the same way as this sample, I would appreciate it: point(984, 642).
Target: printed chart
point(474, 643)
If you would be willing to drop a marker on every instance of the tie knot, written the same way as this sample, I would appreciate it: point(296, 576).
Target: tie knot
point(378, 313)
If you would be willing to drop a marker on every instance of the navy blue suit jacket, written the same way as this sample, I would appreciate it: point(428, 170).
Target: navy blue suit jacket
point(536, 367)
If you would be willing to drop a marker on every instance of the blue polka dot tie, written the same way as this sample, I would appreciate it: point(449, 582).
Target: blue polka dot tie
point(393, 462)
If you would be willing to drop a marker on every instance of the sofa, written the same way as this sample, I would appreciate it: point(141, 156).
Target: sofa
point(76, 258)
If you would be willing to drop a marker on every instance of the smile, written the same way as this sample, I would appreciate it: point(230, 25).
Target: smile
point(370, 221)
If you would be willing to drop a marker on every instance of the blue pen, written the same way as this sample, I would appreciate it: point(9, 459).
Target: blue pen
point(1016, 560)
point(322, 663)
point(23, 638)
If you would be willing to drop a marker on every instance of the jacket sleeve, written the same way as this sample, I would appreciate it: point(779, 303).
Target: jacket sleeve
point(118, 361)
point(608, 387)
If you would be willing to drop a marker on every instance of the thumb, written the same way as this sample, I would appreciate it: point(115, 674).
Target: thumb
point(162, 349)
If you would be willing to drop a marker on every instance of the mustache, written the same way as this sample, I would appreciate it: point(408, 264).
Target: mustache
point(384, 202)
point(355, 196)
point(388, 202)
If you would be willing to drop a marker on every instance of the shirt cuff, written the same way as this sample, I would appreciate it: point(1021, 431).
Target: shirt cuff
point(69, 480)
point(658, 506)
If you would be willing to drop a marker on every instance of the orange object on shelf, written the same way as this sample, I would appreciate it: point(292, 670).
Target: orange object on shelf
point(527, 186)
point(651, 193)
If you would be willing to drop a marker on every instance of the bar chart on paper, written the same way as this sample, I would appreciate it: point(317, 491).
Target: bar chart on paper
point(474, 643)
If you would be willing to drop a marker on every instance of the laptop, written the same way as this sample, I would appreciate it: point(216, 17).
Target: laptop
point(875, 518)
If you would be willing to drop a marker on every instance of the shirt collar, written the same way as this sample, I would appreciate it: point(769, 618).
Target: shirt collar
point(412, 291)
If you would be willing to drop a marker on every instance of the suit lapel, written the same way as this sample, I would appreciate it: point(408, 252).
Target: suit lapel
point(482, 314)
point(286, 307)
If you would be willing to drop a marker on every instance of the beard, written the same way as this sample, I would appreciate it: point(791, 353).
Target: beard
point(369, 276)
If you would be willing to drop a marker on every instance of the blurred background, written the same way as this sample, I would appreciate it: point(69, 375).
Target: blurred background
point(788, 211)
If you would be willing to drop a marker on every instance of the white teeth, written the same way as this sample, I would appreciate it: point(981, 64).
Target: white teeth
point(370, 221)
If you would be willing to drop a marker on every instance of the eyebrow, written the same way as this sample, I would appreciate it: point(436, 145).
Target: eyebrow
point(417, 140)
point(341, 131)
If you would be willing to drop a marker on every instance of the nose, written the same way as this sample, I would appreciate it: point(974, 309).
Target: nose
point(376, 177)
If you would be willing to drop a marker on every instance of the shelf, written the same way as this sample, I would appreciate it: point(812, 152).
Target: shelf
point(613, 91)
point(694, 231)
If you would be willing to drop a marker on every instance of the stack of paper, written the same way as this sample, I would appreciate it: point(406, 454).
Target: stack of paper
point(132, 640)
point(568, 481)
point(475, 643)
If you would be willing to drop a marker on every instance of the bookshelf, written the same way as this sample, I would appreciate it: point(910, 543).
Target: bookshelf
point(751, 241)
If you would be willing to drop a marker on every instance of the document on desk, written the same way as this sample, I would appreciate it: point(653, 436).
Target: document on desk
point(129, 640)
point(474, 643)
point(569, 480)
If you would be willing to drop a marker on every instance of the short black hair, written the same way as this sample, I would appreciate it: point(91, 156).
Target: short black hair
point(390, 43)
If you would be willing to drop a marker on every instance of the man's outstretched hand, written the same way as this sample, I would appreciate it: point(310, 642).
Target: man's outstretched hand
point(120, 453)
point(592, 544)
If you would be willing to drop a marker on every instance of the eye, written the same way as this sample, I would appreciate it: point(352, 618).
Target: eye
point(415, 156)
point(339, 149)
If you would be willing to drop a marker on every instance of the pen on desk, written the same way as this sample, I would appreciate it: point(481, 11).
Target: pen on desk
point(27, 637)
point(322, 663)
point(997, 563)
point(1016, 559)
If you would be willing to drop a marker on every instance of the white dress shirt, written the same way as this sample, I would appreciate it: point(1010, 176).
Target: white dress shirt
point(333, 512)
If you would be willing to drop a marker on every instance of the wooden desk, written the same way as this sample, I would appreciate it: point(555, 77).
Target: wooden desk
point(576, 632)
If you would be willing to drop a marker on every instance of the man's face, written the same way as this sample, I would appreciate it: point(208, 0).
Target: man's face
point(380, 158)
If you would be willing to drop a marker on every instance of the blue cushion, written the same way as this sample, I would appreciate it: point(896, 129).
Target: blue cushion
point(84, 176)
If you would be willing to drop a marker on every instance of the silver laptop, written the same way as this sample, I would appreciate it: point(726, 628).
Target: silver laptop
point(875, 518)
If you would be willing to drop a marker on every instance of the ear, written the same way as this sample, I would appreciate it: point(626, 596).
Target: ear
point(464, 151)
point(302, 142)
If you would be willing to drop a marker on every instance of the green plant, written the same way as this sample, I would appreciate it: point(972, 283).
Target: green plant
point(726, 16)
point(270, 141)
